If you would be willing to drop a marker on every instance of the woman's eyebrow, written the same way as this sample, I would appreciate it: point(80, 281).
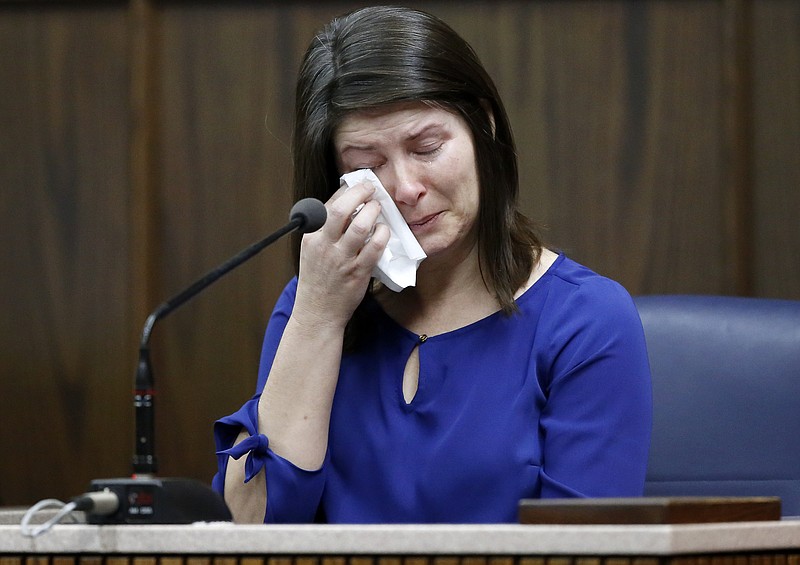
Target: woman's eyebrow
point(427, 128)
point(356, 147)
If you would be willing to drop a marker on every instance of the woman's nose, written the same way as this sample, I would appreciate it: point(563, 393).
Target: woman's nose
point(403, 183)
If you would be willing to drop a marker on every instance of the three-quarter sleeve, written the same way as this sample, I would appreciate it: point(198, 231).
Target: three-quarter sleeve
point(293, 494)
point(597, 418)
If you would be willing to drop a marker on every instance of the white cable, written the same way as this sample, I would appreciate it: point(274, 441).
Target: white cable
point(65, 510)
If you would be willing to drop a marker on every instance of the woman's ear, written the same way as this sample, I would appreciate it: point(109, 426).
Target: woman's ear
point(487, 107)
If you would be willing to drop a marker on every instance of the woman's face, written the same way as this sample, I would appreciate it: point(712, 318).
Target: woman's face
point(425, 158)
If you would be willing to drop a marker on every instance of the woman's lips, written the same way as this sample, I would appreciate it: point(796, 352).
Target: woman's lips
point(423, 223)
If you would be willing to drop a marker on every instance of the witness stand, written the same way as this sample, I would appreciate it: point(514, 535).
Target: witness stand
point(761, 539)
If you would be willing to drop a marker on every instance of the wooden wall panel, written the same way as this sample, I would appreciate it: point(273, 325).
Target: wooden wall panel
point(225, 182)
point(67, 353)
point(147, 142)
point(776, 155)
point(619, 139)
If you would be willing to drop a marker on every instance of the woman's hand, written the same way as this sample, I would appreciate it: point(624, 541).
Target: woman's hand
point(336, 262)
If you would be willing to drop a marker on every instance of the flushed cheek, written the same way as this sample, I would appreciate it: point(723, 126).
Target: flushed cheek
point(460, 171)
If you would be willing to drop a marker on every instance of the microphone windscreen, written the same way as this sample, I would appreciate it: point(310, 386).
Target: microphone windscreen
point(311, 213)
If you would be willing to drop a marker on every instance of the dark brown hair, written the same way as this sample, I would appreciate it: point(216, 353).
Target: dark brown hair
point(382, 55)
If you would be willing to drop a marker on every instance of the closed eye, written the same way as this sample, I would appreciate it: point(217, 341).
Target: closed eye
point(366, 165)
point(430, 152)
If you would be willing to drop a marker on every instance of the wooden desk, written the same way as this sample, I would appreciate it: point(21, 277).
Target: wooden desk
point(742, 543)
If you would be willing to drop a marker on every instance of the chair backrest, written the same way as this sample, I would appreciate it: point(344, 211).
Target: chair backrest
point(726, 397)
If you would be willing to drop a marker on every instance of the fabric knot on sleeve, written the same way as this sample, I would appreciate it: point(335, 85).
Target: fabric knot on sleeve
point(256, 449)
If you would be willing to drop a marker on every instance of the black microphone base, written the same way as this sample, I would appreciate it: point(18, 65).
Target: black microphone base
point(152, 500)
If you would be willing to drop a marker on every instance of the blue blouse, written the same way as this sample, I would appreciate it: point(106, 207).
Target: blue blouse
point(553, 401)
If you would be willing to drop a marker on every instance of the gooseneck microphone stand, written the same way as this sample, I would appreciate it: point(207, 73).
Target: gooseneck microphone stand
point(144, 460)
point(143, 498)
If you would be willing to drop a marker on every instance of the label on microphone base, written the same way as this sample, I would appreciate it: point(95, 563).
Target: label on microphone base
point(148, 500)
point(141, 502)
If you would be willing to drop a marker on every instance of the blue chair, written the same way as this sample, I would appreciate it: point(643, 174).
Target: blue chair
point(726, 397)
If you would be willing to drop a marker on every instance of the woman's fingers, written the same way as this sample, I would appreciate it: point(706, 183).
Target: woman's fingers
point(352, 215)
point(336, 262)
point(373, 249)
point(342, 206)
point(362, 224)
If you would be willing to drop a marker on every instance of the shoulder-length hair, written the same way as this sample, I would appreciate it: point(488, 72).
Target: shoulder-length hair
point(383, 55)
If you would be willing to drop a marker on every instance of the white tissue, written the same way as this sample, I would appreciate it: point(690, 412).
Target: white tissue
point(397, 267)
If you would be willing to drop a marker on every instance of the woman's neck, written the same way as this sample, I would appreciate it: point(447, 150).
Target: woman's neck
point(448, 295)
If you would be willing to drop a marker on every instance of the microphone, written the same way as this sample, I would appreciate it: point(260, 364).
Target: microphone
point(143, 498)
point(311, 214)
